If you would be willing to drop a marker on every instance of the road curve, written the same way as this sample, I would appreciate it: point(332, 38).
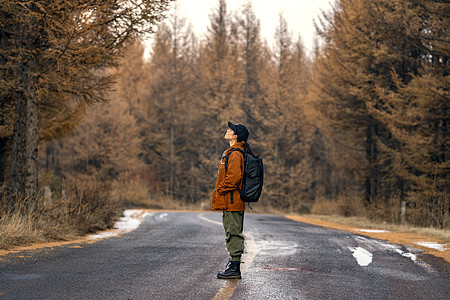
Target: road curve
point(176, 255)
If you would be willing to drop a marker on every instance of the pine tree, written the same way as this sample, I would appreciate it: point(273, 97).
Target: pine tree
point(377, 56)
point(106, 145)
point(416, 107)
point(286, 163)
point(58, 51)
point(172, 106)
point(249, 35)
point(221, 87)
point(257, 70)
point(349, 67)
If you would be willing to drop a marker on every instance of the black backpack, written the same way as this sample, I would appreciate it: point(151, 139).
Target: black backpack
point(252, 181)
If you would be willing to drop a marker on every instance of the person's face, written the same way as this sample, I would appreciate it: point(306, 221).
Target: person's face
point(229, 135)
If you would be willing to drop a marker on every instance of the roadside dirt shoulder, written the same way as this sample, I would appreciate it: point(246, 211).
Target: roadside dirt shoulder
point(402, 238)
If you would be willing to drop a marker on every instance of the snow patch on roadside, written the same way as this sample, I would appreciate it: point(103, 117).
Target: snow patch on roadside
point(372, 230)
point(130, 221)
point(378, 245)
point(409, 255)
point(433, 245)
point(363, 257)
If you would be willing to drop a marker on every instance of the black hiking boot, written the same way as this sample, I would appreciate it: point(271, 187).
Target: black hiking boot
point(232, 272)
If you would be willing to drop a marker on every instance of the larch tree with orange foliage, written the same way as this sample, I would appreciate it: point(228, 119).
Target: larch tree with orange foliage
point(416, 104)
point(379, 83)
point(56, 53)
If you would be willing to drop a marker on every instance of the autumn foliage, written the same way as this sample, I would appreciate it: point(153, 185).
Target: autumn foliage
point(360, 123)
point(54, 56)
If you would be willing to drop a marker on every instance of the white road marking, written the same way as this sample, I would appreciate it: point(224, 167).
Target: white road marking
point(202, 216)
point(250, 252)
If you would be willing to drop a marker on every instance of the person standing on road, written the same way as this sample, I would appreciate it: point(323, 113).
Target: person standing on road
point(226, 197)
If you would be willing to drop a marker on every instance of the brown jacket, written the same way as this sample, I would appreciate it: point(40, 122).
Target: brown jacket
point(228, 182)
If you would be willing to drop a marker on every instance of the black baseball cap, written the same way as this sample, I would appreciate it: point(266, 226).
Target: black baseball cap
point(240, 130)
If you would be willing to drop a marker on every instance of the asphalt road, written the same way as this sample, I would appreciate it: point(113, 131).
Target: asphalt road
point(177, 256)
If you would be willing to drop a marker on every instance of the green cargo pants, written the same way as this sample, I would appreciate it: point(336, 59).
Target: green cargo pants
point(233, 223)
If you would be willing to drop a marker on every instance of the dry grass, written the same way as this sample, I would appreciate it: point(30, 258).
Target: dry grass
point(344, 206)
point(132, 191)
point(85, 208)
point(23, 228)
point(17, 229)
point(352, 212)
point(362, 222)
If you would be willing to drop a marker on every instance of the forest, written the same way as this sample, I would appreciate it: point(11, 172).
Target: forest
point(89, 124)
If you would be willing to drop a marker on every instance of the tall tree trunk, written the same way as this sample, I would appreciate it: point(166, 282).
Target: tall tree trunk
point(5, 158)
point(174, 83)
point(3, 154)
point(371, 184)
point(24, 157)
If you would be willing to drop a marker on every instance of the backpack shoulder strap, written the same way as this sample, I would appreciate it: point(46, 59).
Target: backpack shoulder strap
point(227, 157)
